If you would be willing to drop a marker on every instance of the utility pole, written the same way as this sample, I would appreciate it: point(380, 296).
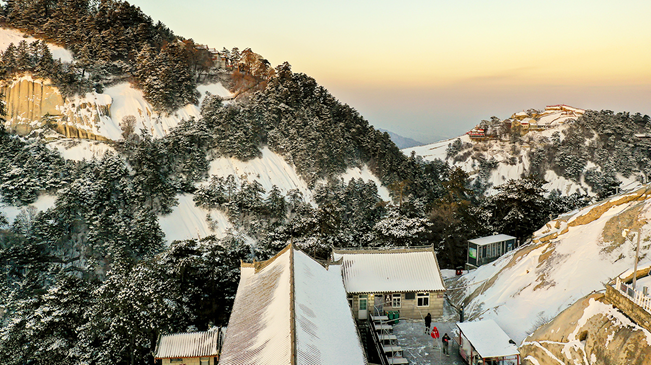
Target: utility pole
point(637, 252)
point(637, 255)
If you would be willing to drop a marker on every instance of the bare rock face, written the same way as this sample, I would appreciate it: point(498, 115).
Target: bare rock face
point(28, 101)
point(591, 331)
point(33, 103)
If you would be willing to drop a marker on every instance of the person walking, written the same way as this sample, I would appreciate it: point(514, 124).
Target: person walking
point(446, 340)
point(428, 322)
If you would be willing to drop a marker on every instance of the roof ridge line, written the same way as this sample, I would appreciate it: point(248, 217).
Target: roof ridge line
point(292, 305)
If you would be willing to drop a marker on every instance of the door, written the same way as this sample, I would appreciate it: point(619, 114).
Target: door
point(363, 310)
point(378, 304)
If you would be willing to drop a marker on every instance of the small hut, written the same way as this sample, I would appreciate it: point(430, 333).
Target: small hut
point(192, 348)
point(485, 343)
point(487, 249)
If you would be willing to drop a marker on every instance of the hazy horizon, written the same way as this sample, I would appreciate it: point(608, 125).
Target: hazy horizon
point(433, 69)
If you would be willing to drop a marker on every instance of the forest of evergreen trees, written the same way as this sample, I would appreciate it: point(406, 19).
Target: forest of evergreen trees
point(91, 280)
point(75, 273)
point(111, 41)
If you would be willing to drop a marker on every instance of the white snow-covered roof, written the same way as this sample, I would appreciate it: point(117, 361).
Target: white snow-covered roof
point(388, 271)
point(259, 330)
point(192, 344)
point(481, 241)
point(488, 339)
point(291, 310)
point(325, 329)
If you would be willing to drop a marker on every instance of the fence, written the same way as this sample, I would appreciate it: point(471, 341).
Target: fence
point(639, 298)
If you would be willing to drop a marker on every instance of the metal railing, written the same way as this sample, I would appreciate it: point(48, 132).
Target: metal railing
point(384, 358)
point(637, 297)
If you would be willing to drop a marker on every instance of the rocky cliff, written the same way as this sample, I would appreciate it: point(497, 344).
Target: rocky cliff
point(591, 331)
point(33, 103)
point(568, 259)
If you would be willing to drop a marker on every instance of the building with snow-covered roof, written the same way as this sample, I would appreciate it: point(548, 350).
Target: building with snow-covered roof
point(192, 348)
point(291, 310)
point(484, 250)
point(484, 342)
point(407, 281)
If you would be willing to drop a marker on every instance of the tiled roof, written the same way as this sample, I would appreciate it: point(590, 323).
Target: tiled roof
point(192, 344)
point(387, 271)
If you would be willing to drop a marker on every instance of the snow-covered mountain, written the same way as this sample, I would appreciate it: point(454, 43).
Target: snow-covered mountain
point(535, 142)
point(400, 141)
point(88, 124)
point(569, 258)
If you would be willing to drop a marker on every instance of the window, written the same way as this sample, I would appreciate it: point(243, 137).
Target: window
point(176, 360)
point(204, 361)
point(423, 299)
point(395, 302)
point(410, 296)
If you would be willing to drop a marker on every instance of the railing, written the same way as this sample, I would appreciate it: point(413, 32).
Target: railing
point(385, 333)
point(639, 298)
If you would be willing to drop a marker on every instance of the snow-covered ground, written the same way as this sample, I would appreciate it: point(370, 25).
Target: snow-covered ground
point(365, 174)
point(125, 100)
point(8, 36)
point(80, 149)
point(44, 202)
point(189, 221)
point(270, 169)
point(527, 287)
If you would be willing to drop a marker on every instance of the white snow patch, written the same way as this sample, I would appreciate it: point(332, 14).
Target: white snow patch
point(271, 169)
point(130, 101)
point(365, 174)
point(532, 359)
point(44, 202)
point(213, 89)
point(188, 221)
point(8, 36)
point(80, 149)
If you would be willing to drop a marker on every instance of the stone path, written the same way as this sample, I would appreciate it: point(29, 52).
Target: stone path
point(419, 347)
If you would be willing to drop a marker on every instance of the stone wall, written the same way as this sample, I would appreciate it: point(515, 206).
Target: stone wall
point(408, 307)
point(572, 337)
point(622, 302)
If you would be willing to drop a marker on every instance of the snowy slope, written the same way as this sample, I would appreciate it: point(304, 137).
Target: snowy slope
point(80, 149)
point(124, 100)
point(190, 221)
point(101, 114)
point(512, 164)
point(44, 202)
point(8, 36)
point(570, 257)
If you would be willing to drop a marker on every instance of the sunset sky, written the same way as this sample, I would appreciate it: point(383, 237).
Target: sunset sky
point(433, 69)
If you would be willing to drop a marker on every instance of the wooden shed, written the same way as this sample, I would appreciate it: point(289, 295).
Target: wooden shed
point(191, 348)
point(407, 281)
